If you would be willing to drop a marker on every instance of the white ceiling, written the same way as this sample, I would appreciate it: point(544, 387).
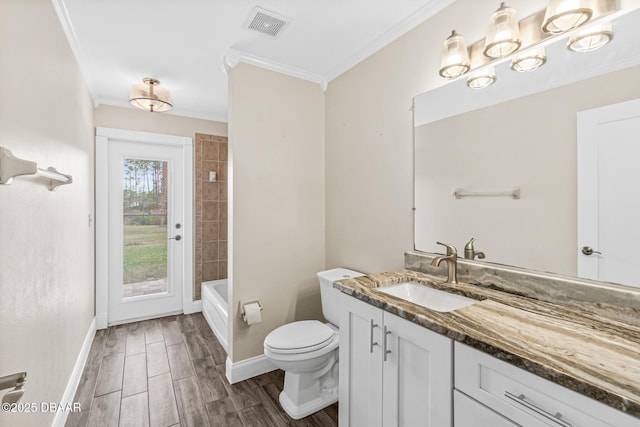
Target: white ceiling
point(183, 42)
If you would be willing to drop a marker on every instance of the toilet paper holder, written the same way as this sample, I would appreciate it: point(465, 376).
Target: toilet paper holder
point(247, 302)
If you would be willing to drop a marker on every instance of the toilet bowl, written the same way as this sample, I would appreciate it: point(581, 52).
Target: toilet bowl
point(307, 351)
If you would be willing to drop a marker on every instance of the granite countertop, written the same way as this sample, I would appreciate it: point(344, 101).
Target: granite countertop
point(578, 348)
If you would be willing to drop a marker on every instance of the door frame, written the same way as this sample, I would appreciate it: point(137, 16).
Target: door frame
point(103, 136)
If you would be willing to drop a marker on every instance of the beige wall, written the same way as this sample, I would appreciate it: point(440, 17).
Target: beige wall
point(530, 142)
point(369, 138)
point(144, 121)
point(276, 164)
point(46, 255)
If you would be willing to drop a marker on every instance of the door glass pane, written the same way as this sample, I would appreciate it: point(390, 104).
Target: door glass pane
point(145, 227)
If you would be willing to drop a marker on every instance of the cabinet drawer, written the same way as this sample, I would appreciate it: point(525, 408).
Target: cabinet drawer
point(469, 413)
point(526, 398)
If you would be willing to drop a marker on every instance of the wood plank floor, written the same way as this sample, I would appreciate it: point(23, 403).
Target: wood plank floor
point(170, 372)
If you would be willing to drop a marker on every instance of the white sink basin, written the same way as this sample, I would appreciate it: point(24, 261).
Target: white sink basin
point(427, 297)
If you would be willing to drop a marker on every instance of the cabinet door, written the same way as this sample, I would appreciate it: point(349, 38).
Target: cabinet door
point(418, 379)
point(469, 413)
point(360, 398)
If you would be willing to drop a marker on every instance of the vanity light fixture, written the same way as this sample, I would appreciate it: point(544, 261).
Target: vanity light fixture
point(482, 78)
point(150, 96)
point(529, 61)
point(564, 15)
point(591, 38)
point(503, 36)
point(455, 58)
point(523, 42)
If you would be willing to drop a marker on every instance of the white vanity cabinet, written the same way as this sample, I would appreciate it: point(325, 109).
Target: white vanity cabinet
point(392, 372)
point(493, 388)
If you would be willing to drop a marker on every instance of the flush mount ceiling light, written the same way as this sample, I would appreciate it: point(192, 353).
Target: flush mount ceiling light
point(503, 36)
point(565, 15)
point(455, 58)
point(482, 79)
point(150, 96)
point(529, 61)
point(591, 38)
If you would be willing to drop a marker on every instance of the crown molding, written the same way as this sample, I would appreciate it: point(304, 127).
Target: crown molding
point(408, 24)
point(211, 116)
point(65, 21)
point(235, 56)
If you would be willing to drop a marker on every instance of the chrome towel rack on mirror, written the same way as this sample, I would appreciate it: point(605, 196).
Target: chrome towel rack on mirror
point(459, 193)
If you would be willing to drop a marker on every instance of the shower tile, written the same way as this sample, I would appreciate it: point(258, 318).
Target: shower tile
point(222, 173)
point(222, 269)
point(210, 211)
point(210, 150)
point(198, 207)
point(224, 150)
point(198, 253)
point(210, 191)
point(222, 211)
point(210, 231)
point(222, 191)
point(209, 251)
point(209, 271)
point(222, 249)
point(222, 230)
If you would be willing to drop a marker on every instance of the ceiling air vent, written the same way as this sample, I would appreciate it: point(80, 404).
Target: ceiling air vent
point(266, 22)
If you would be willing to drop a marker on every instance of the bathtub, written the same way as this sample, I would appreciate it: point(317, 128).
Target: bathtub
point(215, 295)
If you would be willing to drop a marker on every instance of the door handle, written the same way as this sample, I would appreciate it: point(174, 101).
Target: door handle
point(588, 250)
point(371, 341)
point(385, 350)
point(178, 237)
point(521, 399)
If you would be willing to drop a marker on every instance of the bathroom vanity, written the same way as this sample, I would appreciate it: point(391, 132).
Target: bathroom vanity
point(505, 360)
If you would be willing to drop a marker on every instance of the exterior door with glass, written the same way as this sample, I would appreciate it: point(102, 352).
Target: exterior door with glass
point(146, 230)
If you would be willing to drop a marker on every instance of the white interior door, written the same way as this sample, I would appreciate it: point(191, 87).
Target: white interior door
point(609, 193)
point(143, 232)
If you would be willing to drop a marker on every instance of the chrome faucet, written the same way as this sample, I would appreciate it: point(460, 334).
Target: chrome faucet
point(469, 251)
point(451, 258)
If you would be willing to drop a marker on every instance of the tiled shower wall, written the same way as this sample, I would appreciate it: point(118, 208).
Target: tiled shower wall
point(210, 210)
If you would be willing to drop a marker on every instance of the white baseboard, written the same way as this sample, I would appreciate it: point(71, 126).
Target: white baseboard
point(76, 374)
point(248, 368)
point(189, 307)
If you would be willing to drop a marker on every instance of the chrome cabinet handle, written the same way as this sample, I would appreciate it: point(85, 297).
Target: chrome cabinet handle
point(384, 343)
point(371, 342)
point(520, 399)
point(588, 250)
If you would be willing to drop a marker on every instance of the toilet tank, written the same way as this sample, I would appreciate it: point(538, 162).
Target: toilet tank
point(330, 295)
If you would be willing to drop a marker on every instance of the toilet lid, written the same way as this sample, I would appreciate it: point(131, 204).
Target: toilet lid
point(302, 336)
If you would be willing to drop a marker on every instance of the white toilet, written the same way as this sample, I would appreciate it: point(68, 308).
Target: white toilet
point(308, 353)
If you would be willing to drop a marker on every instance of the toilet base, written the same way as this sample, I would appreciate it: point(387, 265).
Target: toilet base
point(296, 412)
